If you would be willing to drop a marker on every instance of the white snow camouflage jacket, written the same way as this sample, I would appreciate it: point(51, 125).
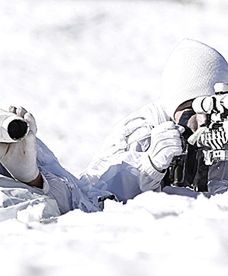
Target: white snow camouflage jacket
point(121, 169)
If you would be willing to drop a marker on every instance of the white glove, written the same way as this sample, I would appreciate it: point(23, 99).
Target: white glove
point(165, 144)
point(19, 158)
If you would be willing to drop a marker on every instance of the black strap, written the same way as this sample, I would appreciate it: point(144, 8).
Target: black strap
point(201, 176)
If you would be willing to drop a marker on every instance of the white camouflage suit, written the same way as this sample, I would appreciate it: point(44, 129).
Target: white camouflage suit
point(125, 166)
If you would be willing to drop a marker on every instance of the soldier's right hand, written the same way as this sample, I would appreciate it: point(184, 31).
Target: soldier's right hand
point(165, 144)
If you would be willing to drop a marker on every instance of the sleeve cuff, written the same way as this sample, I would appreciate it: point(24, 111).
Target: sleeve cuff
point(150, 177)
point(149, 168)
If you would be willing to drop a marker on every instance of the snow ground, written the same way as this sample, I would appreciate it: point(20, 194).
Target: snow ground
point(80, 66)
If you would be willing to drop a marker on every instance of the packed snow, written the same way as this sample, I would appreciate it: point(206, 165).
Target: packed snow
point(80, 67)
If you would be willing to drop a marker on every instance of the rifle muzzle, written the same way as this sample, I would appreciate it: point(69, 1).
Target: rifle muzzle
point(12, 127)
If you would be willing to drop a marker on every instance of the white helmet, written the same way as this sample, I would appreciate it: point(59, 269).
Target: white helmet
point(192, 70)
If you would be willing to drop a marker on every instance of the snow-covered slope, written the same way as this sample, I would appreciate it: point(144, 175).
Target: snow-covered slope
point(80, 66)
point(154, 234)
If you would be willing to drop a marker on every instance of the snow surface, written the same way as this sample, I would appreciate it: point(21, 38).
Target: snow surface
point(80, 66)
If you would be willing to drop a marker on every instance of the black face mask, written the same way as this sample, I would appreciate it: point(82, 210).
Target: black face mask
point(185, 117)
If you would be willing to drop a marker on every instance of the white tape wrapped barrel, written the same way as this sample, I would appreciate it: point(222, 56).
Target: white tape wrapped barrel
point(12, 127)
